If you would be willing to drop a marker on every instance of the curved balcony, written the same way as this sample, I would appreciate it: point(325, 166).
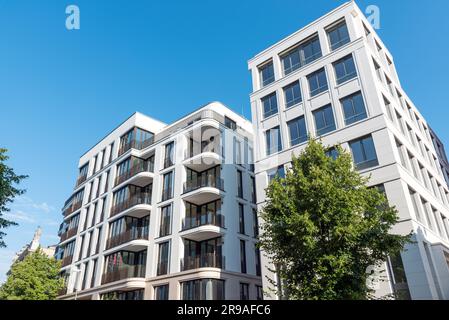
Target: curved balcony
point(203, 227)
point(202, 160)
point(126, 272)
point(211, 260)
point(135, 144)
point(130, 237)
point(204, 189)
point(140, 175)
point(137, 206)
point(68, 234)
point(80, 180)
point(66, 261)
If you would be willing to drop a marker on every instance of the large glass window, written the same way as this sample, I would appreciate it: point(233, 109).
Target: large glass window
point(353, 108)
point(364, 153)
point(273, 140)
point(338, 35)
point(241, 218)
point(317, 82)
point(162, 266)
point(242, 256)
point(244, 291)
point(205, 214)
point(266, 74)
point(345, 69)
point(270, 105)
point(298, 131)
point(203, 289)
point(165, 229)
point(167, 191)
point(292, 94)
point(324, 120)
point(304, 54)
point(161, 292)
point(169, 154)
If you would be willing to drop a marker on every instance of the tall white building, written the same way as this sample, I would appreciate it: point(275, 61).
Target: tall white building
point(165, 212)
point(336, 79)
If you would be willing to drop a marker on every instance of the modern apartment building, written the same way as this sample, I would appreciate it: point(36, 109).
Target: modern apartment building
point(165, 212)
point(335, 79)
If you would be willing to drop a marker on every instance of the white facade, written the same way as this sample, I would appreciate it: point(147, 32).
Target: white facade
point(405, 161)
point(157, 211)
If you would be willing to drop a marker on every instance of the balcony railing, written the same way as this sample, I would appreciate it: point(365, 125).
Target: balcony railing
point(81, 180)
point(69, 233)
point(75, 206)
point(135, 144)
point(66, 261)
point(202, 182)
point(143, 198)
point(127, 236)
point(209, 218)
point(125, 272)
point(144, 166)
point(211, 260)
point(192, 152)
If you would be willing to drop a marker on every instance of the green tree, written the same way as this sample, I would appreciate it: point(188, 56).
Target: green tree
point(35, 278)
point(325, 227)
point(8, 191)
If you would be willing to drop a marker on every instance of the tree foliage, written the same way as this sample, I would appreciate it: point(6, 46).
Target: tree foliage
point(8, 191)
point(35, 278)
point(325, 227)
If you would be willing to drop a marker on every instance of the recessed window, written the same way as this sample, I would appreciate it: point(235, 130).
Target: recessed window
point(292, 94)
point(298, 131)
point(161, 292)
point(324, 120)
point(273, 140)
point(244, 291)
point(301, 55)
point(270, 105)
point(353, 108)
point(345, 69)
point(266, 74)
point(332, 153)
point(317, 82)
point(229, 123)
point(338, 35)
point(364, 153)
point(278, 172)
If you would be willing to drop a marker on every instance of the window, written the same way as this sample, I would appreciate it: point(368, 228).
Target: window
point(103, 158)
point(378, 70)
point(169, 155)
point(255, 224)
point(244, 291)
point(257, 258)
point(165, 228)
point(279, 172)
point(135, 138)
point(270, 105)
point(324, 120)
point(266, 74)
point(398, 277)
point(230, 123)
point(239, 184)
point(161, 292)
point(317, 82)
point(94, 271)
point(241, 218)
point(304, 54)
point(94, 168)
point(425, 207)
point(111, 149)
point(97, 248)
point(252, 181)
point(259, 293)
point(332, 153)
point(345, 69)
point(167, 191)
point(298, 131)
point(273, 140)
point(237, 151)
point(364, 153)
point(338, 35)
point(242, 256)
point(203, 289)
point(292, 94)
point(162, 266)
point(106, 183)
point(353, 108)
point(413, 196)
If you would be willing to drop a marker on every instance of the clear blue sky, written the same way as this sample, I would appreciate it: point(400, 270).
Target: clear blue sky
point(61, 91)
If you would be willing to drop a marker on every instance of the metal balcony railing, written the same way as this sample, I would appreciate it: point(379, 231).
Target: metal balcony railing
point(202, 182)
point(66, 261)
point(127, 236)
point(135, 144)
point(124, 272)
point(80, 180)
point(69, 233)
point(144, 166)
point(211, 260)
point(134, 200)
point(210, 218)
point(75, 206)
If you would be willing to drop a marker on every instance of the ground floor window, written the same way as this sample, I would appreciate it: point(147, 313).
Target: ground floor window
point(123, 295)
point(203, 289)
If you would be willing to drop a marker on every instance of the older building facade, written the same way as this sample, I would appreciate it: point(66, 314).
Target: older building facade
point(165, 212)
point(335, 79)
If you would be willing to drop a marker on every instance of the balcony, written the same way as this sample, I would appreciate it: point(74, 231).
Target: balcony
point(135, 144)
point(211, 260)
point(141, 201)
point(69, 233)
point(203, 159)
point(206, 188)
point(128, 236)
point(138, 175)
point(125, 272)
point(81, 180)
point(66, 261)
point(203, 227)
point(75, 206)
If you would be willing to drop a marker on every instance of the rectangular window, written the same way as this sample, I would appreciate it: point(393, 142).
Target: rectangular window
point(259, 293)
point(169, 154)
point(338, 35)
point(324, 120)
point(94, 271)
point(298, 131)
point(273, 140)
point(257, 257)
point(230, 123)
point(239, 184)
point(317, 82)
point(111, 152)
point(94, 168)
point(237, 152)
point(378, 70)
point(244, 291)
point(97, 248)
point(106, 183)
point(253, 189)
point(415, 205)
point(255, 224)
point(332, 153)
point(345, 69)
point(242, 256)
point(266, 74)
point(279, 172)
point(292, 94)
point(161, 292)
point(364, 153)
point(302, 55)
point(353, 108)
point(167, 191)
point(165, 228)
point(103, 158)
point(203, 289)
point(270, 105)
point(241, 218)
point(162, 266)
